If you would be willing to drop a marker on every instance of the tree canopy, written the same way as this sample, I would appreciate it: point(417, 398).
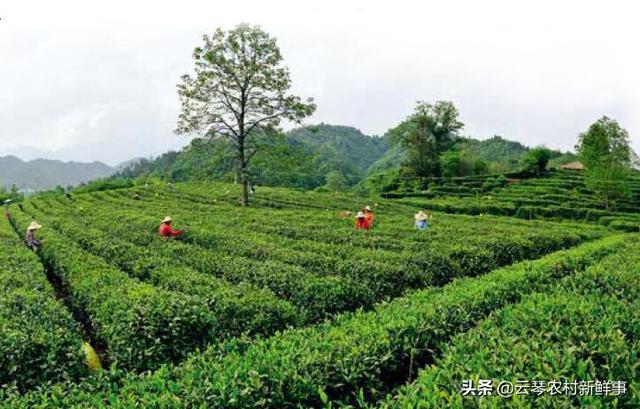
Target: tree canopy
point(605, 151)
point(239, 92)
point(427, 133)
point(536, 160)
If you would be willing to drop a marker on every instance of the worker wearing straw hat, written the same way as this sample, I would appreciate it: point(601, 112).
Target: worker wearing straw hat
point(166, 230)
point(421, 220)
point(31, 240)
point(361, 222)
point(368, 214)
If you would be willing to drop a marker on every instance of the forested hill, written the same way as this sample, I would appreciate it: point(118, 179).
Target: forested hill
point(43, 174)
point(341, 148)
point(313, 156)
point(302, 157)
point(501, 155)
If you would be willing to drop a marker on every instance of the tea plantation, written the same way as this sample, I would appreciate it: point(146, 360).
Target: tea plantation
point(284, 304)
point(559, 195)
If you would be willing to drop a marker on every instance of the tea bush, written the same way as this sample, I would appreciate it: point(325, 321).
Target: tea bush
point(359, 356)
point(39, 340)
point(587, 329)
point(141, 325)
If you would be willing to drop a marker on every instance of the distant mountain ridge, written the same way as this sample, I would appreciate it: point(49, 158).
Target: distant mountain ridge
point(44, 174)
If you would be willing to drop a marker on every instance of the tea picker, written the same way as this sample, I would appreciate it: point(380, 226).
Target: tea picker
point(166, 230)
point(361, 222)
point(421, 220)
point(30, 238)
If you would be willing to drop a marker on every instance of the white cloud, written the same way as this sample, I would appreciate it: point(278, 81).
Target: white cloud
point(86, 80)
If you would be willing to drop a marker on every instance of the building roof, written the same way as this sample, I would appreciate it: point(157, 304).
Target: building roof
point(573, 166)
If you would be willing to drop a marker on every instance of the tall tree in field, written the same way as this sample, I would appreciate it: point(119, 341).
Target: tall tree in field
point(536, 160)
point(604, 150)
point(238, 92)
point(428, 132)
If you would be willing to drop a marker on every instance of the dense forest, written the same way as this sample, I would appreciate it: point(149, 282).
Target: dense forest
point(332, 157)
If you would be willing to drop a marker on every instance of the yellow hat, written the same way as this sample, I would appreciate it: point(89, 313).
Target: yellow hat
point(360, 215)
point(34, 226)
point(367, 208)
point(421, 216)
point(167, 219)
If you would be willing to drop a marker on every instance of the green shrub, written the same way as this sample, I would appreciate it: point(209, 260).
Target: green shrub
point(317, 297)
point(238, 310)
point(624, 225)
point(368, 352)
point(39, 340)
point(586, 329)
point(142, 326)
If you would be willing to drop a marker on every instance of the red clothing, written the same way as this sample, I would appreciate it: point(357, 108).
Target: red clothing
point(368, 216)
point(362, 224)
point(167, 231)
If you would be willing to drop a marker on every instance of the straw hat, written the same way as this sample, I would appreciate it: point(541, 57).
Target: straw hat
point(367, 208)
point(360, 215)
point(34, 226)
point(421, 216)
point(167, 219)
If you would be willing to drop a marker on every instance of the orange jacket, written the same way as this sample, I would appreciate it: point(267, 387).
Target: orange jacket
point(368, 216)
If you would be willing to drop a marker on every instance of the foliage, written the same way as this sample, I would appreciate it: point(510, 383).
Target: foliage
point(159, 166)
point(162, 325)
point(239, 93)
point(462, 162)
point(383, 181)
point(287, 262)
point(103, 184)
point(556, 194)
point(40, 341)
point(339, 148)
point(316, 297)
point(604, 150)
point(584, 329)
point(299, 158)
point(536, 160)
point(497, 149)
point(303, 157)
point(12, 194)
point(333, 362)
point(239, 310)
point(335, 181)
point(428, 132)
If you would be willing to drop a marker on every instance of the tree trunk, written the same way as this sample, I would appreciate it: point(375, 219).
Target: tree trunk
point(244, 177)
point(245, 186)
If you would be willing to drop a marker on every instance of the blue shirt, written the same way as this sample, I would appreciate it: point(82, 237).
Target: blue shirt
point(421, 224)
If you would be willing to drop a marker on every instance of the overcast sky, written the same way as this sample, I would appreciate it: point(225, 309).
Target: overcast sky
point(88, 80)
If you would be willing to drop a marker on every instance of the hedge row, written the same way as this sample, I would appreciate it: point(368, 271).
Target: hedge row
point(240, 309)
point(391, 232)
point(386, 274)
point(587, 329)
point(549, 196)
point(141, 326)
point(474, 207)
point(316, 297)
point(39, 340)
point(208, 193)
point(393, 225)
point(361, 354)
